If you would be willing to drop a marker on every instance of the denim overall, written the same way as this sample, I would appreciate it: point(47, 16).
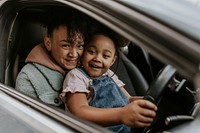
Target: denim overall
point(107, 95)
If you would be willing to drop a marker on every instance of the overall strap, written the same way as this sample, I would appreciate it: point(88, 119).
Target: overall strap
point(82, 70)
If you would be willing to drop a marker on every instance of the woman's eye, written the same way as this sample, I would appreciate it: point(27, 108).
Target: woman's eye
point(80, 46)
point(66, 45)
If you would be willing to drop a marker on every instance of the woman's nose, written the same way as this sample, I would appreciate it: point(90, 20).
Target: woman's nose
point(73, 52)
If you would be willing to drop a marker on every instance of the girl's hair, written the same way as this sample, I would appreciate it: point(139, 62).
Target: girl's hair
point(95, 28)
point(99, 29)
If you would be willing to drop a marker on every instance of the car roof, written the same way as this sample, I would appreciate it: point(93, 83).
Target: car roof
point(182, 15)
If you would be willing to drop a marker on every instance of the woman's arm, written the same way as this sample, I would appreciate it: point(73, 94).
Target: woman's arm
point(23, 84)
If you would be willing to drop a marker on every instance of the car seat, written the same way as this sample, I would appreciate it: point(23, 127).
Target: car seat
point(126, 71)
point(145, 62)
point(27, 32)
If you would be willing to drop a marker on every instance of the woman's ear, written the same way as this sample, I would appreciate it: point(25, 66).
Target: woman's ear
point(47, 43)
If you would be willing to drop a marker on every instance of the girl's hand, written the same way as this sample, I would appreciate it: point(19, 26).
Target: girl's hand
point(138, 113)
point(133, 98)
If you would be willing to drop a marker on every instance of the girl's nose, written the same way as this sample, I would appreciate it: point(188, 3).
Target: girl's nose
point(97, 58)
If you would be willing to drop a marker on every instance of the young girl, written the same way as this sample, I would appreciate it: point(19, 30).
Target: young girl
point(93, 92)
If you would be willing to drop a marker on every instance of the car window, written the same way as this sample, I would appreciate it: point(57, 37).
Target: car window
point(16, 117)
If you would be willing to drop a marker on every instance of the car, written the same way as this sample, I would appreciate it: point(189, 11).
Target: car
point(160, 61)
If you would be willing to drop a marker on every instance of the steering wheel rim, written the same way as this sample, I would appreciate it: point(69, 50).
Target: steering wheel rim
point(157, 88)
point(159, 84)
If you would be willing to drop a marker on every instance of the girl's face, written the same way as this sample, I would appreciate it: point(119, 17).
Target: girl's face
point(99, 55)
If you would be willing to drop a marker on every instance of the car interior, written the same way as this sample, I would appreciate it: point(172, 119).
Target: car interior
point(135, 67)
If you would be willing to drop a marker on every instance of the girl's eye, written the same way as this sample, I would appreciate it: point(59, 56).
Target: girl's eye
point(106, 56)
point(91, 51)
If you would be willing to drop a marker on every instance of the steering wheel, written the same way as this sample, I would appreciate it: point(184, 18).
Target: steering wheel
point(158, 86)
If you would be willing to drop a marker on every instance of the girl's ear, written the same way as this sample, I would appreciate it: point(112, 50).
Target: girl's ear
point(47, 43)
point(114, 59)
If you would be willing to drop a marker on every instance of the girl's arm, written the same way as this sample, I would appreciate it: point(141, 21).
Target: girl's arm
point(125, 92)
point(139, 113)
point(130, 98)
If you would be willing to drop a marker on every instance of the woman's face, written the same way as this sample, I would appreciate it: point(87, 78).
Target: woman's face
point(65, 50)
point(99, 55)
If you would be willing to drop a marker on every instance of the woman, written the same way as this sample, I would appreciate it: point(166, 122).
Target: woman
point(47, 63)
